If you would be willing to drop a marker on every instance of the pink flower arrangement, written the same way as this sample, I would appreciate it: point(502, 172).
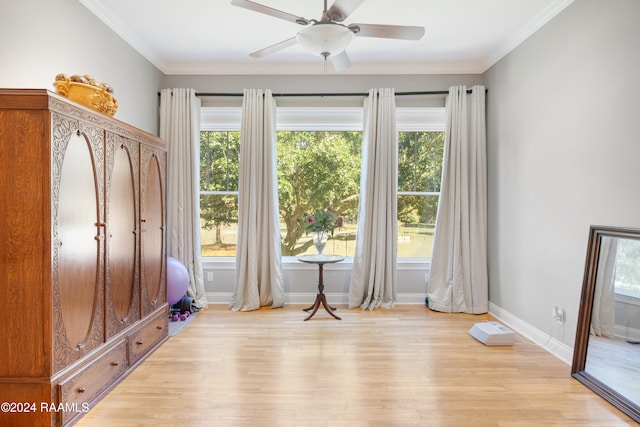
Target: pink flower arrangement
point(320, 220)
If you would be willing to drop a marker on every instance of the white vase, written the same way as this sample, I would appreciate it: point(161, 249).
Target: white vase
point(320, 240)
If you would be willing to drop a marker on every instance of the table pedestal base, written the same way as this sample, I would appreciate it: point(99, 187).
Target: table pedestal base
point(321, 299)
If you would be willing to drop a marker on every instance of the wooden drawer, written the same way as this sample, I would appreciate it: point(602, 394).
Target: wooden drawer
point(82, 389)
point(143, 340)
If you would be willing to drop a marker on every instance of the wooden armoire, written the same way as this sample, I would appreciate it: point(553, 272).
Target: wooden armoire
point(82, 255)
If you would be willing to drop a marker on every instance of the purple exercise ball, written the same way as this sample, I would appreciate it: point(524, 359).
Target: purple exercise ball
point(177, 280)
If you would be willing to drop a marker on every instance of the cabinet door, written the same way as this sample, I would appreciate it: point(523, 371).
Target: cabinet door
point(78, 243)
point(152, 220)
point(122, 244)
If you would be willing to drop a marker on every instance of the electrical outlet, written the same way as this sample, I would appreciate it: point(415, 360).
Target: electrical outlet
point(558, 314)
point(209, 276)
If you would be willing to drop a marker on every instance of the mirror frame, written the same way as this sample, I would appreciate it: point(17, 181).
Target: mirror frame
point(584, 320)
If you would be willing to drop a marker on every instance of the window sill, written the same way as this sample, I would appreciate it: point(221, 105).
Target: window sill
point(627, 297)
point(292, 263)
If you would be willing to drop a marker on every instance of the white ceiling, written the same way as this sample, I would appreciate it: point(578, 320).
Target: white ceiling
point(214, 37)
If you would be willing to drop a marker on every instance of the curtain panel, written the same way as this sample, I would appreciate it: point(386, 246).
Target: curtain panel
point(603, 320)
point(458, 278)
point(374, 277)
point(180, 129)
point(259, 280)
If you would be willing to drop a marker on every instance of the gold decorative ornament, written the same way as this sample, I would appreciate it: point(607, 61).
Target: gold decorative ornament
point(86, 91)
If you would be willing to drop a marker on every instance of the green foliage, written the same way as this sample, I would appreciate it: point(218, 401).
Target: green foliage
point(219, 161)
point(420, 156)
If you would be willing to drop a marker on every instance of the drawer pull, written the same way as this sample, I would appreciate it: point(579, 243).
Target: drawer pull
point(139, 342)
point(114, 363)
point(159, 327)
point(81, 390)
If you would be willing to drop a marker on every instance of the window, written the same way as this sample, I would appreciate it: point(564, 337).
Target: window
point(627, 275)
point(318, 169)
point(319, 153)
point(219, 165)
point(420, 156)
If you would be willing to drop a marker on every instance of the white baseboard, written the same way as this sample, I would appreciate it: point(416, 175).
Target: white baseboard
point(219, 297)
point(544, 340)
point(627, 333)
point(308, 298)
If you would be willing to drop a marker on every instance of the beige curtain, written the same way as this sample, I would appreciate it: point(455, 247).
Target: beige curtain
point(180, 129)
point(259, 279)
point(373, 280)
point(603, 320)
point(458, 279)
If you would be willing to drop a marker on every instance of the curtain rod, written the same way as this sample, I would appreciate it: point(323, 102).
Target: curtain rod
point(428, 92)
point(437, 92)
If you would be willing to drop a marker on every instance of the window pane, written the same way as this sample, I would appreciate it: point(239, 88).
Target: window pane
point(627, 275)
point(318, 170)
point(219, 160)
point(417, 221)
point(218, 224)
point(420, 157)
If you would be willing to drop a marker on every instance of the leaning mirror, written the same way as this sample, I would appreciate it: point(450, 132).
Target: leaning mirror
point(606, 356)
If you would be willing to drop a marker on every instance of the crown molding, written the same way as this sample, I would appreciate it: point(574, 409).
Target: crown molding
point(130, 37)
point(553, 9)
point(316, 67)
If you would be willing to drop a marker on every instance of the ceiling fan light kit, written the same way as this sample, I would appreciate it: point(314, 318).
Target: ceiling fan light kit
point(327, 37)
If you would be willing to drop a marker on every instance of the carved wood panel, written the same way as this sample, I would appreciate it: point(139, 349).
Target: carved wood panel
point(122, 284)
point(78, 238)
point(152, 218)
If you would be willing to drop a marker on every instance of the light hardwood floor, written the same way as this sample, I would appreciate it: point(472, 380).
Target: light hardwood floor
point(405, 366)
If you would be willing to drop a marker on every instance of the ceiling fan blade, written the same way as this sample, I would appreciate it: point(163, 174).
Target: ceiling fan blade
point(340, 61)
point(257, 7)
point(273, 48)
point(341, 9)
point(403, 32)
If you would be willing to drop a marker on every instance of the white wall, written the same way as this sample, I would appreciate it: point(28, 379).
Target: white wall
point(563, 153)
point(41, 38)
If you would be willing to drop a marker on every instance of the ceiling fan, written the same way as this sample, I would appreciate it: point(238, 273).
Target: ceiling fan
point(327, 37)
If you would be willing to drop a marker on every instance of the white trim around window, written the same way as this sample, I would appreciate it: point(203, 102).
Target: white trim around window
point(332, 119)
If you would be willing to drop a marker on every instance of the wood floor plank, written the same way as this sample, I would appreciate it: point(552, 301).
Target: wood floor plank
point(406, 366)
